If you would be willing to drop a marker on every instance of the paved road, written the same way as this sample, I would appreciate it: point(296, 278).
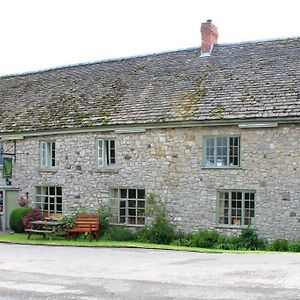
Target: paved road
point(43, 272)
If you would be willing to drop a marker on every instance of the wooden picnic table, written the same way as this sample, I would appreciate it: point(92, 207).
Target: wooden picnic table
point(44, 227)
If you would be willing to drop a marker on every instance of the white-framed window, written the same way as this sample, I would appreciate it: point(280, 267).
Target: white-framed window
point(47, 154)
point(106, 153)
point(49, 200)
point(1, 154)
point(127, 206)
point(236, 208)
point(221, 151)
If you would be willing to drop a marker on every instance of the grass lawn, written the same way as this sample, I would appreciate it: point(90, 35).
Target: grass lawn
point(21, 238)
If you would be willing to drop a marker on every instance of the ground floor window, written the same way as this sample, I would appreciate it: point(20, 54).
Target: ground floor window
point(236, 207)
point(128, 206)
point(49, 200)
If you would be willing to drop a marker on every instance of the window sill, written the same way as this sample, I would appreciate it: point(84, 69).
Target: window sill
point(107, 170)
point(47, 170)
point(127, 225)
point(223, 167)
point(231, 226)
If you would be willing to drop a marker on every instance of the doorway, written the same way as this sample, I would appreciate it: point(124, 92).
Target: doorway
point(9, 203)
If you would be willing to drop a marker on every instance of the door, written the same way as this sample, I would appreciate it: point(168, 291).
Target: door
point(11, 202)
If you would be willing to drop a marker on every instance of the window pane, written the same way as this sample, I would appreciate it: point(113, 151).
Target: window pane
point(210, 151)
point(58, 191)
point(221, 151)
point(53, 154)
point(132, 220)
point(100, 153)
point(52, 190)
point(123, 193)
point(107, 153)
point(141, 212)
point(141, 203)
point(132, 194)
point(140, 221)
point(141, 194)
point(132, 212)
point(112, 153)
point(132, 203)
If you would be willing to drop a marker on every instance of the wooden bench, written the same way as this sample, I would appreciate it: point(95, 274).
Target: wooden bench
point(85, 223)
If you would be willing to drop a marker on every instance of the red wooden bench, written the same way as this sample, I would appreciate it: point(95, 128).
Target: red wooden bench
point(85, 223)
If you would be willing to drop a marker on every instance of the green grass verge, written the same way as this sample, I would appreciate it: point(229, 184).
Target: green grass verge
point(21, 238)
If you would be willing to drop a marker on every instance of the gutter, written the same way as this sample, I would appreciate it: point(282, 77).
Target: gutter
point(138, 128)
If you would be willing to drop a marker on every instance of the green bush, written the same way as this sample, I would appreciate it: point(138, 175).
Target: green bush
point(160, 232)
point(249, 240)
point(142, 235)
point(68, 220)
point(120, 234)
point(294, 246)
point(278, 245)
point(201, 239)
point(228, 242)
point(16, 218)
point(104, 215)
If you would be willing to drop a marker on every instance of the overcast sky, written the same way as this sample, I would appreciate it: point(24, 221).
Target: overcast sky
point(43, 34)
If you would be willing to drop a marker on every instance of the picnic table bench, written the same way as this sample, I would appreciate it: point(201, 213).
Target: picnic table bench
point(44, 227)
point(89, 223)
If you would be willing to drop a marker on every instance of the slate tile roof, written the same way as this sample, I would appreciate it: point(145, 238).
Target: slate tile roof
point(237, 82)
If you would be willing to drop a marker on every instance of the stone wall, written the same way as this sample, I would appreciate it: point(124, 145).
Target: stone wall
point(168, 162)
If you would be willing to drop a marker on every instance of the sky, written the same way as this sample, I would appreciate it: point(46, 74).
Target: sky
point(44, 34)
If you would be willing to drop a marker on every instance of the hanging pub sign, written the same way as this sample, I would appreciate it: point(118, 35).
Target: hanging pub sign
point(7, 167)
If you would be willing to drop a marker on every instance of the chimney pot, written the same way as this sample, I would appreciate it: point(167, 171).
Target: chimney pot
point(209, 34)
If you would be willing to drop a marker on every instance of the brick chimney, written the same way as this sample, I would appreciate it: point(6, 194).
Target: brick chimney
point(209, 34)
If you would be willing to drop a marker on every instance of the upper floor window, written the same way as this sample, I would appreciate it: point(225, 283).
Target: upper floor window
point(222, 151)
point(106, 152)
point(47, 154)
point(1, 154)
point(236, 208)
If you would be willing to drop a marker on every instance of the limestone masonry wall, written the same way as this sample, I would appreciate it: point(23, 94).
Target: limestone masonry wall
point(168, 162)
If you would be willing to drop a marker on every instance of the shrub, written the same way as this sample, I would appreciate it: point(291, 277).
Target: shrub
point(120, 234)
point(68, 220)
point(249, 240)
point(278, 245)
point(104, 215)
point(201, 239)
point(294, 246)
point(228, 243)
point(16, 219)
point(160, 232)
point(33, 215)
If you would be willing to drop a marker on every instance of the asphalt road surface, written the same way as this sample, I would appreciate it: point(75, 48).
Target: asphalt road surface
point(47, 272)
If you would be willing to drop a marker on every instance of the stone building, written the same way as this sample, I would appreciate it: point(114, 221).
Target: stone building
point(214, 133)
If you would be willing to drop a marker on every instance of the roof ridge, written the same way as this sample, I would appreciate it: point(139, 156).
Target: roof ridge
point(257, 41)
point(141, 56)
